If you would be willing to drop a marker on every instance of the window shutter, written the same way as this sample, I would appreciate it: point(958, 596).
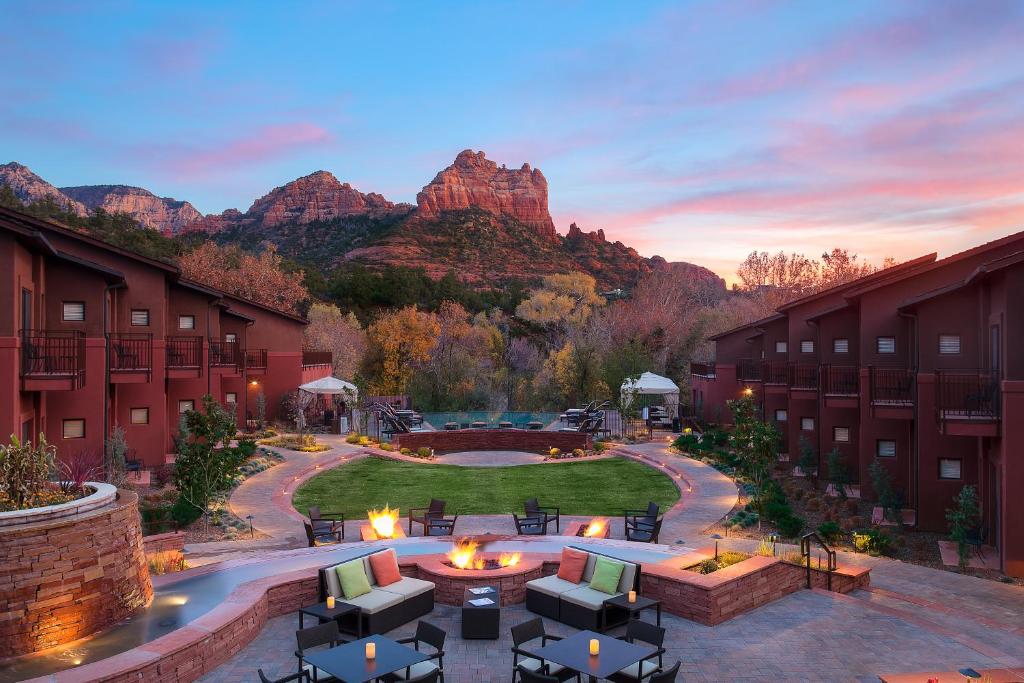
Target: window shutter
point(186, 405)
point(841, 434)
point(781, 347)
point(140, 317)
point(806, 346)
point(949, 468)
point(887, 345)
point(780, 415)
point(74, 311)
point(841, 345)
point(140, 416)
point(949, 344)
point(807, 424)
point(73, 429)
point(186, 322)
point(230, 337)
point(886, 449)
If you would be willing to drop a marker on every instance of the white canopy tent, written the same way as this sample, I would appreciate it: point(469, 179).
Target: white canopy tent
point(649, 384)
point(331, 386)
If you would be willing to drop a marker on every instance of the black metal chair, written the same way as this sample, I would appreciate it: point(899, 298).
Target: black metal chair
point(529, 631)
point(527, 676)
point(316, 636)
point(429, 677)
point(534, 509)
point(440, 526)
point(431, 635)
point(976, 538)
point(641, 519)
point(644, 534)
point(316, 538)
point(667, 676)
point(422, 516)
point(646, 633)
point(301, 677)
point(531, 526)
point(132, 462)
point(329, 521)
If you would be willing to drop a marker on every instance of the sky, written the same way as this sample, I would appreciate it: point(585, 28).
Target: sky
point(699, 131)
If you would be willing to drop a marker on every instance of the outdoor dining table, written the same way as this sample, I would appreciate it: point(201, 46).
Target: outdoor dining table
point(573, 653)
point(348, 662)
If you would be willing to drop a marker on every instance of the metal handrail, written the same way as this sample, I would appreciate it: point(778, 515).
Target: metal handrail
point(805, 552)
point(130, 352)
point(966, 394)
point(840, 380)
point(52, 353)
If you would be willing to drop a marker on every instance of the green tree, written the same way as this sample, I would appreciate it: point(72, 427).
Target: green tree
point(808, 461)
point(964, 519)
point(885, 494)
point(756, 443)
point(115, 450)
point(837, 474)
point(205, 461)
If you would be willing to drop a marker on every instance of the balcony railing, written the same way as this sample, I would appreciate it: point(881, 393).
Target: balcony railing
point(840, 380)
point(749, 371)
point(892, 386)
point(130, 352)
point(256, 359)
point(225, 354)
point(702, 369)
point(966, 395)
point(47, 354)
point(184, 352)
point(803, 376)
point(775, 372)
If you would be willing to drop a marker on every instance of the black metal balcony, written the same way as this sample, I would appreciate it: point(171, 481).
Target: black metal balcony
point(53, 359)
point(256, 359)
point(749, 371)
point(894, 387)
point(840, 380)
point(706, 370)
point(967, 395)
point(225, 354)
point(775, 372)
point(803, 376)
point(184, 353)
point(130, 352)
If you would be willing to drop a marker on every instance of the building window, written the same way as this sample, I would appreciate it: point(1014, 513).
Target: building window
point(949, 344)
point(186, 322)
point(140, 416)
point(950, 468)
point(886, 448)
point(806, 346)
point(807, 424)
point(781, 347)
point(230, 337)
point(186, 405)
point(140, 317)
point(841, 434)
point(886, 344)
point(231, 397)
point(74, 311)
point(781, 415)
point(74, 428)
point(840, 345)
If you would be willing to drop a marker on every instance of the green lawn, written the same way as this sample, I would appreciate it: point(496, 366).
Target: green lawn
point(599, 487)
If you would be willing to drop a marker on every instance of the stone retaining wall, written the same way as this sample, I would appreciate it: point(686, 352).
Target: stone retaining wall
point(492, 440)
point(172, 541)
point(67, 578)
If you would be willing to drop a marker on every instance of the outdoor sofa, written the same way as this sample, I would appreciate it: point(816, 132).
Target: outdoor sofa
point(384, 607)
point(577, 604)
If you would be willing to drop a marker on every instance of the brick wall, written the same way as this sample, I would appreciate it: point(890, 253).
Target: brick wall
point(492, 440)
point(66, 579)
point(162, 543)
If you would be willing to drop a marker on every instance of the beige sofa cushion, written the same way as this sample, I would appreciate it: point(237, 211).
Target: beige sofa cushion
point(588, 571)
point(628, 577)
point(551, 585)
point(333, 583)
point(586, 596)
point(408, 587)
point(376, 600)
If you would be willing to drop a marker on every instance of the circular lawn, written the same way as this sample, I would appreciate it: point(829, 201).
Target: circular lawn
point(600, 487)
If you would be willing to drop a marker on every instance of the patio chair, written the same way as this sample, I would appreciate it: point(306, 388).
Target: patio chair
point(534, 425)
point(531, 526)
point(329, 522)
point(976, 537)
point(641, 519)
point(527, 676)
point(527, 632)
point(431, 635)
point(667, 676)
point(317, 538)
point(649, 634)
point(643, 535)
point(315, 636)
point(132, 462)
point(423, 516)
point(534, 509)
point(301, 677)
point(440, 526)
point(584, 426)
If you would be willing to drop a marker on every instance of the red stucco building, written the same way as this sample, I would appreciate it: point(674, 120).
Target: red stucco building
point(920, 366)
point(92, 336)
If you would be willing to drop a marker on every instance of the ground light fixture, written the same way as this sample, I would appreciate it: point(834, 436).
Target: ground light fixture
point(970, 674)
point(717, 538)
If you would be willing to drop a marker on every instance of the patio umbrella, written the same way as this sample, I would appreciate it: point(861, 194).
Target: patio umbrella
point(331, 386)
point(650, 384)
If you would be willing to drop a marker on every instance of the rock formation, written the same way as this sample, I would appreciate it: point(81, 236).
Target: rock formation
point(159, 213)
point(475, 181)
point(30, 188)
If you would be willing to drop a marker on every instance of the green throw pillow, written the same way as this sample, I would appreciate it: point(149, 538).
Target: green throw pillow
point(353, 579)
point(606, 575)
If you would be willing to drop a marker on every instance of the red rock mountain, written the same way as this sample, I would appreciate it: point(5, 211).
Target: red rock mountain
point(30, 188)
point(476, 181)
point(159, 213)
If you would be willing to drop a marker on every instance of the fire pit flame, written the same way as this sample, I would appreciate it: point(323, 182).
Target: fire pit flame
point(509, 559)
point(596, 527)
point(383, 521)
point(462, 555)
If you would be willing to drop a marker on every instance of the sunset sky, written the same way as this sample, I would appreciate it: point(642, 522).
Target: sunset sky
point(698, 131)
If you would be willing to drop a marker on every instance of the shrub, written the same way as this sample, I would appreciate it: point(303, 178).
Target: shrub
point(247, 447)
point(808, 461)
point(837, 475)
point(184, 512)
point(166, 562)
point(963, 518)
point(81, 467)
point(776, 511)
point(364, 441)
point(766, 548)
point(423, 452)
point(600, 446)
point(687, 443)
point(387, 447)
point(706, 566)
point(555, 452)
point(873, 540)
point(25, 471)
point(790, 527)
point(352, 438)
point(405, 451)
point(114, 453)
point(829, 531)
point(578, 453)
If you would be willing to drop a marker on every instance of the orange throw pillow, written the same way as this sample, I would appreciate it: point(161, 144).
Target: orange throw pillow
point(385, 568)
point(572, 566)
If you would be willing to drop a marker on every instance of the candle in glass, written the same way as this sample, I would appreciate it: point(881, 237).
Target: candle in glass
point(595, 646)
point(330, 602)
point(632, 596)
point(371, 650)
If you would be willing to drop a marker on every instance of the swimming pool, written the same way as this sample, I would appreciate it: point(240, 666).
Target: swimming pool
point(519, 419)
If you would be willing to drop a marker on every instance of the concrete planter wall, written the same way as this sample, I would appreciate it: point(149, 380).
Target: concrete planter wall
point(68, 571)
